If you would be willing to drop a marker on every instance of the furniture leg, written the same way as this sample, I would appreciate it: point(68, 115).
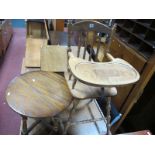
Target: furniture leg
point(108, 108)
point(42, 28)
point(70, 76)
point(74, 82)
point(75, 103)
point(90, 54)
point(53, 128)
point(84, 54)
point(78, 53)
point(24, 125)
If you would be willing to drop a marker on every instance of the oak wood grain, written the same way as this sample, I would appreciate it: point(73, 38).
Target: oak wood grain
point(114, 73)
point(54, 58)
point(83, 91)
point(120, 50)
point(32, 54)
point(27, 69)
point(38, 94)
point(81, 113)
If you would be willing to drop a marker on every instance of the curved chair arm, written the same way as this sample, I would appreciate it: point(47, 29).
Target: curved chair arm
point(110, 91)
point(110, 57)
point(70, 54)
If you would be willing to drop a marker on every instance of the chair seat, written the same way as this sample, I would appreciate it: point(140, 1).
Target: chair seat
point(38, 94)
point(83, 91)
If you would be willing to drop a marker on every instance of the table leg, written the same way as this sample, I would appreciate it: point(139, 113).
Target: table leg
point(24, 125)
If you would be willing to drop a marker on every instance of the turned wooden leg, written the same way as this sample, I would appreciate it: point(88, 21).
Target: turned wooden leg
point(84, 54)
point(75, 103)
point(24, 125)
point(78, 53)
point(74, 82)
point(108, 108)
point(89, 57)
point(70, 76)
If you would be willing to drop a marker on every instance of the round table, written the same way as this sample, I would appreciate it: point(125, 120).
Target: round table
point(38, 94)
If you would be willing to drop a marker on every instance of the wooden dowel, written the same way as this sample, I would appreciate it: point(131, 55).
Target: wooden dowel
point(24, 125)
point(98, 47)
point(70, 76)
point(79, 45)
point(74, 82)
point(85, 46)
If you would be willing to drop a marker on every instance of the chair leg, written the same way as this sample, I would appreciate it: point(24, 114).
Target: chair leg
point(70, 76)
point(84, 54)
point(74, 83)
point(78, 54)
point(108, 108)
point(89, 57)
point(75, 103)
point(24, 125)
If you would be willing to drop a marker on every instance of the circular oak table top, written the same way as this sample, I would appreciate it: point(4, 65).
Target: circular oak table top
point(38, 94)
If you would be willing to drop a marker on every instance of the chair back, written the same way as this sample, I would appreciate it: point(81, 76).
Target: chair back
point(88, 34)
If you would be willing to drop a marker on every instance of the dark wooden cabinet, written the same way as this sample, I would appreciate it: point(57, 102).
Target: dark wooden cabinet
point(120, 50)
point(138, 34)
point(134, 41)
point(142, 114)
point(6, 32)
point(60, 25)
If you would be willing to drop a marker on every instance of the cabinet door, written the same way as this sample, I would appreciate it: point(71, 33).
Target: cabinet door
point(121, 50)
point(59, 24)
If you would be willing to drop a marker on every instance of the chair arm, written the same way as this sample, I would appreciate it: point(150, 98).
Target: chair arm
point(70, 54)
point(110, 57)
point(110, 91)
